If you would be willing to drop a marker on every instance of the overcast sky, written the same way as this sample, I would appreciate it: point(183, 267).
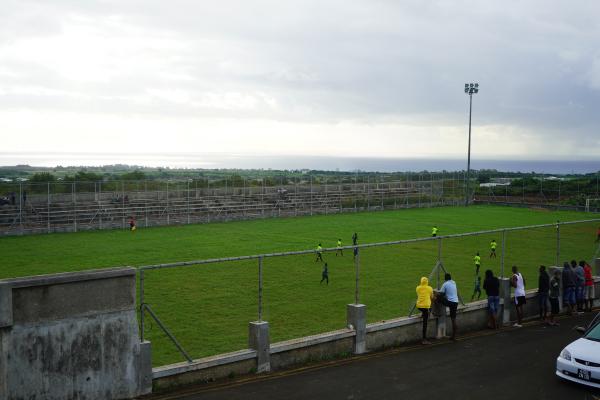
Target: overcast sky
point(327, 78)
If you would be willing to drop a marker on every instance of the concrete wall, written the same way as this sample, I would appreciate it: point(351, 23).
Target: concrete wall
point(72, 336)
point(379, 335)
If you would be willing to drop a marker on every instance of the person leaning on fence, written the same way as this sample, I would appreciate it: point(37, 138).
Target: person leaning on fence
point(568, 282)
point(589, 290)
point(579, 284)
point(448, 296)
point(434, 231)
point(543, 289)
point(518, 282)
point(491, 285)
point(339, 248)
point(424, 298)
point(553, 297)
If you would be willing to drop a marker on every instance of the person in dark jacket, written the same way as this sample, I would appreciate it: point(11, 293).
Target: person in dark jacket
point(554, 295)
point(568, 282)
point(543, 289)
point(491, 285)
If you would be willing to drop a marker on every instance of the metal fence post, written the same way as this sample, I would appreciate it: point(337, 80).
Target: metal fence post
point(311, 196)
point(100, 204)
point(168, 216)
point(188, 201)
point(503, 251)
point(122, 204)
point(260, 287)
point(558, 243)
point(357, 269)
point(48, 206)
point(439, 262)
point(141, 305)
point(74, 192)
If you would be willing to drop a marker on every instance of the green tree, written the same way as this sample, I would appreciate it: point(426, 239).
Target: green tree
point(40, 177)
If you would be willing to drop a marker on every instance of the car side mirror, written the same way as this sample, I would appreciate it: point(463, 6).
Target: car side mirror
point(580, 329)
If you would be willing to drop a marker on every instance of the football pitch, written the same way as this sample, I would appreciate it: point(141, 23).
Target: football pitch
point(208, 307)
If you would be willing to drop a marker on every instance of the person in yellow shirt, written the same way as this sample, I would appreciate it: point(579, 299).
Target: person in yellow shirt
point(424, 298)
point(434, 231)
point(477, 260)
point(339, 248)
point(319, 253)
point(493, 245)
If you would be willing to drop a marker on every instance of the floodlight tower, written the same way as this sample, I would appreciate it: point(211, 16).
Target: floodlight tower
point(470, 89)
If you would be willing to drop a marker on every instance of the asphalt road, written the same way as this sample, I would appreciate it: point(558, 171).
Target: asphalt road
point(509, 364)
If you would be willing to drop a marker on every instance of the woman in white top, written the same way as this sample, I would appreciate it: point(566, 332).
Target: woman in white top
point(518, 282)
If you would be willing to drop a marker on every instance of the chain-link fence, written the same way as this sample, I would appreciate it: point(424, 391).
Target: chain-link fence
point(575, 193)
point(28, 207)
point(206, 305)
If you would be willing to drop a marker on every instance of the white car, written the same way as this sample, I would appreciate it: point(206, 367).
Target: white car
point(580, 361)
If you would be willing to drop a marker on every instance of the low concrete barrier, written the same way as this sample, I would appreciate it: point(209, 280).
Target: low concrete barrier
point(72, 336)
point(344, 342)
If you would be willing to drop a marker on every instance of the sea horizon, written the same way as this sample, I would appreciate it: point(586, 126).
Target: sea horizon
point(294, 162)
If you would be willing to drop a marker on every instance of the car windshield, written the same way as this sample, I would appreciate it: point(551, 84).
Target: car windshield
point(594, 333)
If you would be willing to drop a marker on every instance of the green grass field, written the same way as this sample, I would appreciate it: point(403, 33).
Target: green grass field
point(208, 307)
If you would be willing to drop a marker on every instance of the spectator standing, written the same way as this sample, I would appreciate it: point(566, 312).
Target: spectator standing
point(491, 285)
point(424, 298)
point(450, 300)
point(579, 284)
point(518, 282)
point(569, 282)
point(434, 231)
point(543, 292)
point(589, 291)
point(553, 297)
point(339, 248)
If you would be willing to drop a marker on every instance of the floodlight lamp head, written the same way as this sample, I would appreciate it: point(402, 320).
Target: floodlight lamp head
point(477, 85)
point(476, 90)
point(471, 85)
point(466, 90)
point(466, 85)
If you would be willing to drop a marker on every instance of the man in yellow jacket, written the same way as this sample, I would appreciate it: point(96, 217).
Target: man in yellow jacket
point(424, 298)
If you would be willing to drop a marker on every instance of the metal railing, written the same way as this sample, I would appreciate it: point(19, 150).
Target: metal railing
point(357, 250)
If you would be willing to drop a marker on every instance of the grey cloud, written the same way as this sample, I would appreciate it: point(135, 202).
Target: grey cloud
point(337, 60)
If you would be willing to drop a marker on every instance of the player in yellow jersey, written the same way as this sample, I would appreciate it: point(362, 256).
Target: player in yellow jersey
point(493, 245)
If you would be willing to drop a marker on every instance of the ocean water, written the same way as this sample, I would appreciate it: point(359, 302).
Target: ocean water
point(244, 161)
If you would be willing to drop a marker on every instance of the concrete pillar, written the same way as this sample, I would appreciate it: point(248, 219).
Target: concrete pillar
point(258, 340)
point(145, 379)
point(551, 271)
point(597, 267)
point(356, 315)
point(6, 307)
point(439, 310)
point(505, 301)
